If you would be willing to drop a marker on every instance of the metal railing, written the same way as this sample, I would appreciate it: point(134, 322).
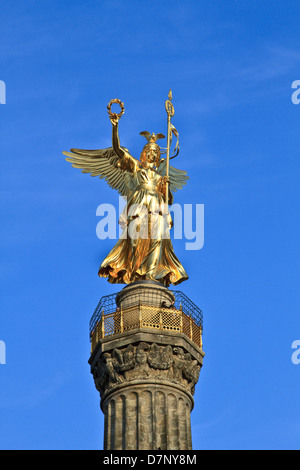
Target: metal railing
point(182, 317)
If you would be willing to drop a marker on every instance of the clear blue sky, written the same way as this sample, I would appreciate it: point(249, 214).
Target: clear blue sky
point(231, 66)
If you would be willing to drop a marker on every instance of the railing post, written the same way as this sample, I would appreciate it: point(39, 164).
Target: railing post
point(181, 322)
point(96, 332)
point(121, 320)
point(139, 312)
point(102, 324)
point(191, 327)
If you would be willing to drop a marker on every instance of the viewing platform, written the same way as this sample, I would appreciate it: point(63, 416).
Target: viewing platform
point(160, 310)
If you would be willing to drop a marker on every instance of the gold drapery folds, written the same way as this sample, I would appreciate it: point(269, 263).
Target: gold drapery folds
point(144, 250)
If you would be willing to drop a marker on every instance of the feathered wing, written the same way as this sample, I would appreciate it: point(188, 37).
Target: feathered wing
point(103, 163)
point(178, 178)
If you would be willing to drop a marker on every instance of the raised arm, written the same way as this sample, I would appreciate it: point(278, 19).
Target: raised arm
point(127, 162)
point(115, 135)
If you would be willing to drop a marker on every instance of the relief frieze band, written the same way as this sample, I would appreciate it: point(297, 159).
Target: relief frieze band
point(146, 362)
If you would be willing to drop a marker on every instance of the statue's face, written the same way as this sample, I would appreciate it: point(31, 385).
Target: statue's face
point(152, 154)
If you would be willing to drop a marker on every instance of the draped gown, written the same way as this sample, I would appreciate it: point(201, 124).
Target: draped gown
point(144, 250)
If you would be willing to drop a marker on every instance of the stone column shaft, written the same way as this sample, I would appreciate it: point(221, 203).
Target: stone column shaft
point(147, 418)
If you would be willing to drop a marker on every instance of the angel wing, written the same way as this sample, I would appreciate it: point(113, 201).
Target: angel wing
point(103, 163)
point(178, 178)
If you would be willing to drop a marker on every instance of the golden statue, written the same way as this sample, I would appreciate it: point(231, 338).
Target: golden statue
point(144, 250)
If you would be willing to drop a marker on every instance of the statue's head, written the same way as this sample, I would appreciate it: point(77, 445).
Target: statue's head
point(150, 155)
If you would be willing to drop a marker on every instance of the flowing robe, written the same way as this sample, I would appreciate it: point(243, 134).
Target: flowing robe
point(144, 250)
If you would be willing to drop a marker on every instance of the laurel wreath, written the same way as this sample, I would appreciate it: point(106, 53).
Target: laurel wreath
point(169, 108)
point(119, 102)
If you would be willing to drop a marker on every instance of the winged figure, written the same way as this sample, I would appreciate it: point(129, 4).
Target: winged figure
point(144, 250)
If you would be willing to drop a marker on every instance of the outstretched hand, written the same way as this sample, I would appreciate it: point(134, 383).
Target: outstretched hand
point(114, 118)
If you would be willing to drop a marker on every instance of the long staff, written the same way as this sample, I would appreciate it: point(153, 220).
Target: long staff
point(170, 111)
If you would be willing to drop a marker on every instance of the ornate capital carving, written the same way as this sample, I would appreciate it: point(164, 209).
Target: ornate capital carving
point(146, 361)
